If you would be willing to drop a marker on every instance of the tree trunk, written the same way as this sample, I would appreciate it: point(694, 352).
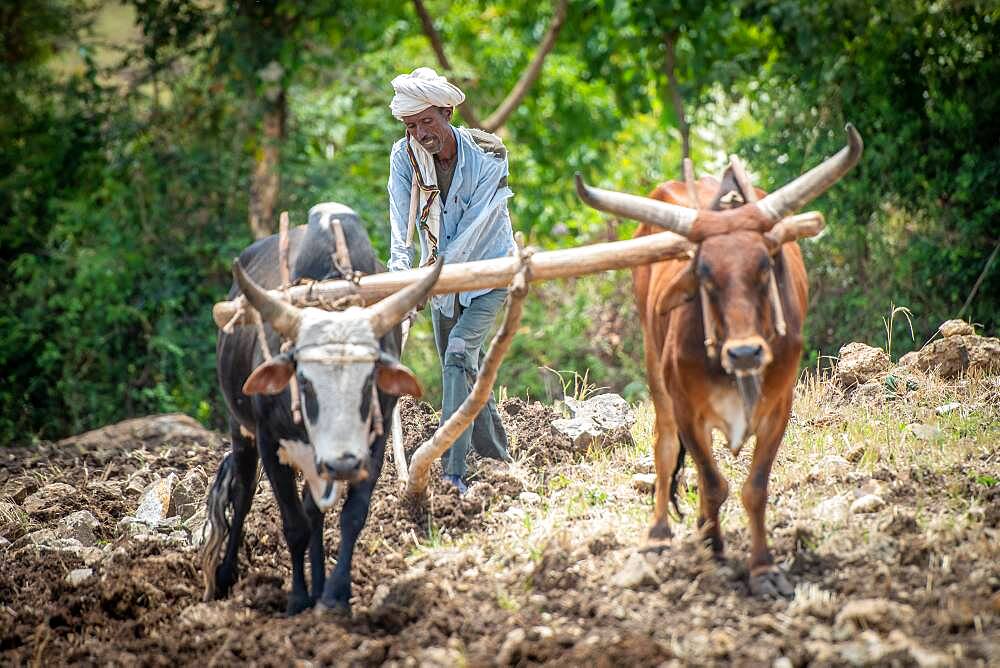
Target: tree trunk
point(670, 68)
point(265, 182)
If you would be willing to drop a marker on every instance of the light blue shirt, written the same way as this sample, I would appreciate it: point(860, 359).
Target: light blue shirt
point(475, 223)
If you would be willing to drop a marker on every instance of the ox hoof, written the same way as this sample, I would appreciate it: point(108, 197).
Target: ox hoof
point(332, 610)
point(771, 584)
point(657, 538)
point(298, 604)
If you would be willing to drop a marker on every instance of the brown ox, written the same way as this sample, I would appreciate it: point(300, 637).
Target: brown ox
point(746, 284)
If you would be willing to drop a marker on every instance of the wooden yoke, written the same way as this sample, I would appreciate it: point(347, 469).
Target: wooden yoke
point(465, 276)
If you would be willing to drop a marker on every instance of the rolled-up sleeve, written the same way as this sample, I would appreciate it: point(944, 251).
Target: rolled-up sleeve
point(400, 180)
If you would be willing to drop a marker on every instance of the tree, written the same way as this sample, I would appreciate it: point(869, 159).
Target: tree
point(915, 224)
point(528, 77)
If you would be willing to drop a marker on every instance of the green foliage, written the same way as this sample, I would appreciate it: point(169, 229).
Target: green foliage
point(916, 221)
point(125, 167)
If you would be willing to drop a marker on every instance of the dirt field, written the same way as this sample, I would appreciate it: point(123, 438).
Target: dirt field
point(540, 564)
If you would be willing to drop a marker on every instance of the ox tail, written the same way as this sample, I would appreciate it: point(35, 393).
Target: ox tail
point(676, 477)
point(220, 499)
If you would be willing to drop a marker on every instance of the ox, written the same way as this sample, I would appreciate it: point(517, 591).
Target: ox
point(746, 282)
point(349, 377)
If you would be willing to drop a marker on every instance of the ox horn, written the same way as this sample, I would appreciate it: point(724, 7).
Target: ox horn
point(389, 312)
point(793, 196)
point(284, 317)
point(675, 218)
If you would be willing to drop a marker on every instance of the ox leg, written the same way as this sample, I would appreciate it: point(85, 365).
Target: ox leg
point(337, 591)
point(317, 551)
point(238, 496)
point(294, 520)
point(666, 450)
point(713, 489)
point(765, 578)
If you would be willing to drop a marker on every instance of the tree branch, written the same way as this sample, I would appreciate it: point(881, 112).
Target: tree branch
point(468, 113)
point(524, 83)
point(531, 72)
point(670, 68)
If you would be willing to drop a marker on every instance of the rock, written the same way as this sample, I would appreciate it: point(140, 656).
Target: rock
point(189, 494)
point(645, 464)
point(108, 487)
point(438, 657)
point(605, 419)
point(855, 453)
point(831, 466)
point(130, 526)
point(870, 649)
point(956, 355)
point(782, 662)
point(514, 512)
point(956, 328)
point(833, 510)
point(859, 363)
point(868, 503)
point(924, 432)
point(609, 411)
point(156, 505)
point(581, 431)
point(927, 658)
point(877, 613)
point(529, 498)
point(150, 431)
point(197, 525)
point(41, 537)
point(48, 498)
point(635, 573)
point(205, 615)
point(944, 409)
point(644, 483)
point(91, 555)
point(78, 576)
point(80, 525)
point(909, 359)
point(510, 650)
point(17, 489)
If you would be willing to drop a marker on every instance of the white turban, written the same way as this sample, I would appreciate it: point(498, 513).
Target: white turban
point(421, 89)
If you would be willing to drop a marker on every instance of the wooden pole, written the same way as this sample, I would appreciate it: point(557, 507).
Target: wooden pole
point(496, 273)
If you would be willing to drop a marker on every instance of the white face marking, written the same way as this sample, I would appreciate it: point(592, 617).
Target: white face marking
point(339, 387)
point(730, 419)
point(327, 209)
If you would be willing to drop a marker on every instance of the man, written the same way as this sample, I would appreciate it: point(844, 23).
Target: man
point(450, 185)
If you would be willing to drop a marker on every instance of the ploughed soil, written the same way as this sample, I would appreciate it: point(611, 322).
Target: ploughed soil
point(531, 567)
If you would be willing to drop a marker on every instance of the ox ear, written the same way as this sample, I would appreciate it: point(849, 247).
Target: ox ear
point(681, 289)
point(395, 378)
point(271, 377)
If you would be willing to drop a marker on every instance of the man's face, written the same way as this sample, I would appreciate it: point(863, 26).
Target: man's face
point(431, 127)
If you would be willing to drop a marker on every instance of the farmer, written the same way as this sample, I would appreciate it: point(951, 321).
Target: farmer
point(450, 185)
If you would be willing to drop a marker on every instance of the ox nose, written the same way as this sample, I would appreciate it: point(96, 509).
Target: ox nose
point(344, 467)
point(745, 356)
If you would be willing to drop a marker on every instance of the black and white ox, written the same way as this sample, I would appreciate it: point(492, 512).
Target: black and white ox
point(343, 362)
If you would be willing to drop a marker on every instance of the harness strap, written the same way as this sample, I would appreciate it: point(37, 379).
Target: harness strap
point(432, 194)
point(708, 322)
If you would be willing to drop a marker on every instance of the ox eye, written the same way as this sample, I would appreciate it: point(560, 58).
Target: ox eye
point(366, 398)
point(309, 398)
